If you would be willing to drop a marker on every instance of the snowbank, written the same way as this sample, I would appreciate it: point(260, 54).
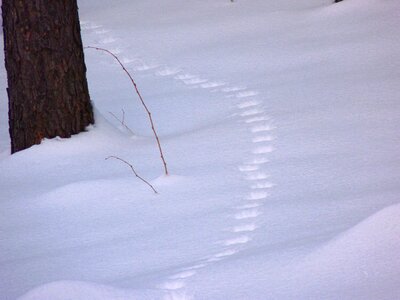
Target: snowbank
point(361, 263)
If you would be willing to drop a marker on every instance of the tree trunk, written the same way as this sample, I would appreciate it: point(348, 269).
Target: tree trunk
point(47, 88)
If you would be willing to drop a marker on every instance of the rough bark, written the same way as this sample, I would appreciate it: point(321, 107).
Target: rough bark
point(47, 87)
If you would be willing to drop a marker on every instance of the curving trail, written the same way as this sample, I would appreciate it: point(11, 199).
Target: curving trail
point(245, 217)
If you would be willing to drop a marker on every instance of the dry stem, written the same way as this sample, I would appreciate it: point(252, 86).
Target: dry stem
point(133, 170)
point(141, 100)
point(122, 121)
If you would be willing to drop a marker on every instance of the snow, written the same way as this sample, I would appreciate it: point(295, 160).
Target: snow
point(279, 124)
point(67, 290)
point(351, 263)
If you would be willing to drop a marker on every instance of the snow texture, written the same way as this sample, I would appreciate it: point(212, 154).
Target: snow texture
point(280, 126)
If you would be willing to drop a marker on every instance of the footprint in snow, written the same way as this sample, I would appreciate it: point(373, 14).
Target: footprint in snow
point(252, 112)
point(248, 168)
point(211, 84)
point(183, 275)
point(127, 60)
point(263, 150)
point(168, 71)
point(184, 76)
point(236, 241)
point(91, 26)
point(262, 185)
point(195, 267)
point(194, 81)
point(233, 89)
point(226, 253)
point(262, 138)
point(101, 31)
point(248, 214)
point(248, 104)
point(246, 94)
point(108, 40)
point(116, 51)
point(257, 195)
point(146, 67)
point(244, 228)
point(257, 119)
point(221, 255)
point(262, 128)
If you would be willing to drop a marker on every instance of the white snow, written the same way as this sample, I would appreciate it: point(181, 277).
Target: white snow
point(279, 122)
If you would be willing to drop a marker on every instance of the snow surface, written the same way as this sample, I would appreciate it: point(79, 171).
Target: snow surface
point(279, 122)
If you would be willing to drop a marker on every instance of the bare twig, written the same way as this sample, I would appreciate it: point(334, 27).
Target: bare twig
point(133, 170)
point(122, 121)
point(141, 100)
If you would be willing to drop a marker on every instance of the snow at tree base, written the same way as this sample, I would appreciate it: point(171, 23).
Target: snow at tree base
point(280, 126)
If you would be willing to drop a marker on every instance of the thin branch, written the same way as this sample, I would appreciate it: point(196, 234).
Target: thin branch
point(123, 116)
point(141, 100)
point(134, 172)
point(122, 121)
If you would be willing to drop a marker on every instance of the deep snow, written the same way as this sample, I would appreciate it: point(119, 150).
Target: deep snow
point(279, 122)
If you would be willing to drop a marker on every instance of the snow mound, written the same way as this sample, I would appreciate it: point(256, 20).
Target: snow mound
point(367, 246)
point(362, 262)
point(76, 290)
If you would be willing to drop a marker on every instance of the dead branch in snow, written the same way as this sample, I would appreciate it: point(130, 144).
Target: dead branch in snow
point(141, 100)
point(134, 172)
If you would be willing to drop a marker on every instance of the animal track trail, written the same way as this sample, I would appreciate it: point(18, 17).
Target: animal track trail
point(245, 216)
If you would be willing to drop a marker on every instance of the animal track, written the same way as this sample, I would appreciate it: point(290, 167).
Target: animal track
point(263, 150)
point(235, 241)
point(263, 138)
point(126, 60)
point(251, 112)
point(225, 253)
point(194, 81)
point(195, 267)
point(246, 94)
point(259, 160)
point(256, 119)
point(182, 275)
point(262, 185)
point(101, 31)
point(184, 77)
point(146, 67)
point(257, 195)
point(209, 85)
point(248, 168)
point(172, 285)
point(261, 128)
point(244, 228)
point(233, 89)
point(248, 104)
point(108, 40)
point(247, 214)
point(116, 51)
point(168, 72)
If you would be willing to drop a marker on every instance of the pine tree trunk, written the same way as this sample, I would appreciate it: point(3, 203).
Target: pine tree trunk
point(47, 88)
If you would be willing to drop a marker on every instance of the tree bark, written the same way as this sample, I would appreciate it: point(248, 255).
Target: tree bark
point(47, 87)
